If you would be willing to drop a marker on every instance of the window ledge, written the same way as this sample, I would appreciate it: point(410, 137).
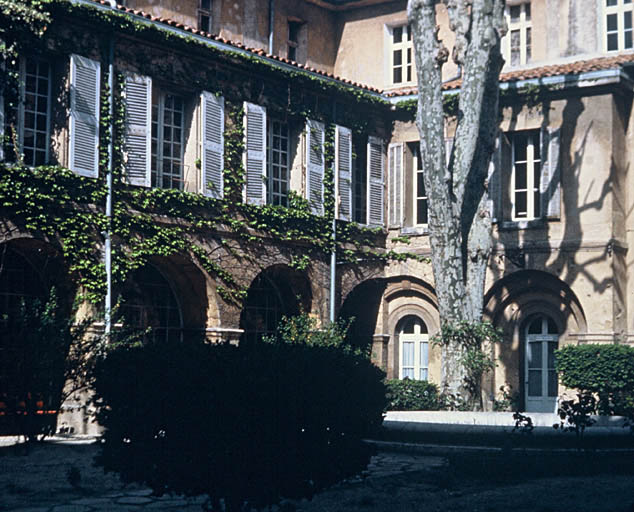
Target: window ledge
point(511, 225)
point(415, 230)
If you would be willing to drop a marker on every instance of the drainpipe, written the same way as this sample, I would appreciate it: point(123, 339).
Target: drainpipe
point(333, 255)
point(271, 24)
point(108, 234)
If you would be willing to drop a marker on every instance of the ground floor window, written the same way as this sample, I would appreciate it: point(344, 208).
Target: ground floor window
point(541, 387)
point(413, 339)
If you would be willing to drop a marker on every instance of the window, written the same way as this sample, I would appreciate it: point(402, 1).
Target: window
point(29, 121)
point(618, 25)
point(541, 386)
point(204, 15)
point(278, 159)
point(359, 185)
point(526, 175)
point(420, 194)
point(516, 45)
point(294, 28)
point(167, 140)
point(413, 341)
point(401, 56)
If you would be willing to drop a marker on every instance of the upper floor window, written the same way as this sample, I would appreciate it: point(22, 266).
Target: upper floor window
point(618, 25)
point(420, 194)
point(28, 123)
point(167, 140)
point(204, 15)
point(526, 175)
point(516, 45)
point(294, 37)
point(359, 184)
point(401, 56)
point(278, 158)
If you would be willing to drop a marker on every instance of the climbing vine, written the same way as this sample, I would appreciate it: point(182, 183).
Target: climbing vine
point(52, 202)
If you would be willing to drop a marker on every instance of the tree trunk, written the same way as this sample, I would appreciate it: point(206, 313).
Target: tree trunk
point(459, 213)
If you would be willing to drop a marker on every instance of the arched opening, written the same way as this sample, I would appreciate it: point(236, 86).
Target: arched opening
point(276, 292)
point(541, 339)
point(413, 342)
point(362, 304)
point(148, 302)
point(34, 340)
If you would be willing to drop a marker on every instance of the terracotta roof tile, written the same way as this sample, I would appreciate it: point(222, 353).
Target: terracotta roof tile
point(570, 68)
point(582, 66)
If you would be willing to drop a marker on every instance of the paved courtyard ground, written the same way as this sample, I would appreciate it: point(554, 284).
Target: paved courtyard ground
point(60, 477)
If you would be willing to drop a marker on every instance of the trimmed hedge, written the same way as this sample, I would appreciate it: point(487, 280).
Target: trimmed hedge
point(607, 370)
point(239, 424)
point(412, 395)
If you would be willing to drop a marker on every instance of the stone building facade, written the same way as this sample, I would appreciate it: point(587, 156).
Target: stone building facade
point(237, 122)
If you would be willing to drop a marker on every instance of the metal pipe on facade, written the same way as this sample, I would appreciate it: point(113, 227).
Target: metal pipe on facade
point(108, 234)
point(271, 24)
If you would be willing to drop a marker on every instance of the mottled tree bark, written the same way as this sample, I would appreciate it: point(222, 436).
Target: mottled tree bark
point(459, 213)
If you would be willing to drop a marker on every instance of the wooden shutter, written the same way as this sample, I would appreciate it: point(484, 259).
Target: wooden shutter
point(395, 184)
point(494, 181)
point(315, 165)
point(375, 182)
point(255, 153)
point(550, 183)
point(212, 124)
point(84, 116)
point(138, 129)
point(343, 173)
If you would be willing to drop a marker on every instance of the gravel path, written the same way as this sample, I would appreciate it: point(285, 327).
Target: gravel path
point(58, 476)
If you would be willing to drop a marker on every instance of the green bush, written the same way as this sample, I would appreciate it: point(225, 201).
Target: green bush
point(412, 395)
point(607, 370)
point(242, 424)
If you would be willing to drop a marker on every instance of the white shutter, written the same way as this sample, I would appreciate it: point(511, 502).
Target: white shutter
point(550, 184)
point(343, 173)
point(212, 124)
point(315, 165)
point(138, 129)
point(395, 184)
point(494, 181)
point(84, 116)
point(255, 153)
point(375, 182)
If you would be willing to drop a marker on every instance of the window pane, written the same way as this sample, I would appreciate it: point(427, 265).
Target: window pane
point(627, 42)
point(398, 75)
point(612, 22)
point(552, 383)
point(552, 346)
point(408, 373)
point(527, 11)
point(613, 42)
point(408, 353)
point(398, 57)
point(519, 144)
point(520, 204)
point(397, 34)
point(421, 211)
point(535, 326)
point(205, 4)
point(552, 327)
point(424, 354)
point(610, 3)
point(515, 12)
point(423, 374)
point(535, 354)
point(520, 176)
point(627, 19)
point(420, 185)
point(535, 383)
point(528, 45)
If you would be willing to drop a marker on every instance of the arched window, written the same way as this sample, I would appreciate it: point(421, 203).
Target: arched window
point(413, 340)
point(148, 301)
point(541, 387)
point(276, 292)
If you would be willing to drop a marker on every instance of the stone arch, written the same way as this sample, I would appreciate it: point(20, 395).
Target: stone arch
point(408, 296)
point(276, 291)
point(169, 294)
point(31, 370)
point(514, 301)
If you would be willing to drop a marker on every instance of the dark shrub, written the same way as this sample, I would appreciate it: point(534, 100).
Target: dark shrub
point(412, 395)
point(607, 370)
point(240, 424)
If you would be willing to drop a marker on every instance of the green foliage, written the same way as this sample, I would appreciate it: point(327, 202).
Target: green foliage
point(47, 351)
point(607, 370)
point(475, 340)
point(243, 424)
point(507, 399)
point(576, 415)
point(304, 329)
point(412, 395)
point(19, 19)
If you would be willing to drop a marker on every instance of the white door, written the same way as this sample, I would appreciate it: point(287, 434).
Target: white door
point(414, 349)
point(540, 383)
